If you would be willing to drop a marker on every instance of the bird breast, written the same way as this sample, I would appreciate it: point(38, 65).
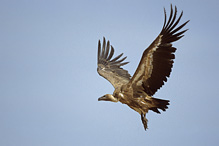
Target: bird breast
point(120, 95)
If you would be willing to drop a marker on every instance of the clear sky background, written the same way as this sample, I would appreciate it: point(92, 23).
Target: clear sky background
point(49, 85)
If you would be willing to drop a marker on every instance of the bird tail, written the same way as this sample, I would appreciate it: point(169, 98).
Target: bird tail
point(159, 104)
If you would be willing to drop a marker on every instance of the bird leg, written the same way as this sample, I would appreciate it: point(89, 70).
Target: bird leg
point(144, 121)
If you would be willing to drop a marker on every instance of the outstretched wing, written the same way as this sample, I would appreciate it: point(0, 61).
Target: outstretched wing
point(157, 60)
point(110, 68)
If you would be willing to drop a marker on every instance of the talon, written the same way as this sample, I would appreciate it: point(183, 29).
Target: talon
point(144, 121)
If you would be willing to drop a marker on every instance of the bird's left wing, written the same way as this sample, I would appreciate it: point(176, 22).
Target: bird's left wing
point(110, 68)
point(157, 60)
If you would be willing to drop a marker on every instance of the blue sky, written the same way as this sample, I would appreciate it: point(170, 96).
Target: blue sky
point(49, 85)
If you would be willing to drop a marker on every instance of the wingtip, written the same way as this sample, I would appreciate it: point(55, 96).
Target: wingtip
point(187, 21)
point(175, 10)
point(164, 9)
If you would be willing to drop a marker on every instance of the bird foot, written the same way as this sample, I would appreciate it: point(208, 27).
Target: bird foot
point(144, 121)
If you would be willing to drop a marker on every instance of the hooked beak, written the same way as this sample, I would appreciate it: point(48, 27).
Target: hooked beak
point(103, 98)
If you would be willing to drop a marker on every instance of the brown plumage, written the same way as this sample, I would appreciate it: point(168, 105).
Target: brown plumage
point(150, 75)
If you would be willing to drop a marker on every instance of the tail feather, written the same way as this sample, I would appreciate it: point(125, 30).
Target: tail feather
point(159, 104)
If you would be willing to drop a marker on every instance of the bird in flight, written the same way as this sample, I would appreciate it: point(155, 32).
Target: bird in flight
point(151, 73)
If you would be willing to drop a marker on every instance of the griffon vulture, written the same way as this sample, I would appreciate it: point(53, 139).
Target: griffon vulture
point(151, 73)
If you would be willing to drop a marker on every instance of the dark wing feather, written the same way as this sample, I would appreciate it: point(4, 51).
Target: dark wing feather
point(157, 60)
point(110, 68)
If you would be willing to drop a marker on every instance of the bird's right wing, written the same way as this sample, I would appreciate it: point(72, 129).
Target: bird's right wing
point(109, 68)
